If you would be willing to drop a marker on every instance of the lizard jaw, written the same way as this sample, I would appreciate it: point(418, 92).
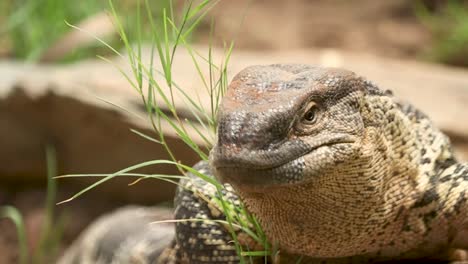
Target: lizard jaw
point(288, 171)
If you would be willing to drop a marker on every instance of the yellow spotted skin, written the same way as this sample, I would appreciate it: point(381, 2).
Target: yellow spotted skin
point(335, 169)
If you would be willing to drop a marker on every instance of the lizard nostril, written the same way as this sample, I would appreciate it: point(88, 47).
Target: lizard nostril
point(254, 130)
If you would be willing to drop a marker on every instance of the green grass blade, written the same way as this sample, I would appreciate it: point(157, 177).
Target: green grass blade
point(96, 38)
point(255, 253)
point(119, 107)
point(123, 74)
point(145, 136)
point(299, 259)
point(110, 176)
point(178, 31)
point(160, 106)
point(14, 215)
point(101, 175)
point(50, 232)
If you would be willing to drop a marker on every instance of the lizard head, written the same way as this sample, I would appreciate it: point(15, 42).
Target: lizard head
point(327, 162)
point(284, 124)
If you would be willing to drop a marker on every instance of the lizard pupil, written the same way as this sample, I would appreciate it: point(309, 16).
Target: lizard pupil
point(311, 114)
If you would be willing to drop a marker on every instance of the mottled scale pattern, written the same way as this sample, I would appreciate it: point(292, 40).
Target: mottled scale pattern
point(199, 237)
point(335, 169)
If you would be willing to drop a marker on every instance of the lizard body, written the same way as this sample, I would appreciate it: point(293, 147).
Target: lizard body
point(334, 168)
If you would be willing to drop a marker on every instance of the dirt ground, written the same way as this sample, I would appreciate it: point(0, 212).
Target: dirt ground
point(386, 28)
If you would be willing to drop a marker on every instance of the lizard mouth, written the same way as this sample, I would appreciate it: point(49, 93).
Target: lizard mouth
point(258, 169)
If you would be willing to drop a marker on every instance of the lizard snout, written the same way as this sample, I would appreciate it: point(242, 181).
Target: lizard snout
point(253, 130)
point(236, 165)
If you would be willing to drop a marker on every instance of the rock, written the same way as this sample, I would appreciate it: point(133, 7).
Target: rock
point(57, 106)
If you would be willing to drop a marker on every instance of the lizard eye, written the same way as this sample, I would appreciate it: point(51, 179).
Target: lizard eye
point(310, 115)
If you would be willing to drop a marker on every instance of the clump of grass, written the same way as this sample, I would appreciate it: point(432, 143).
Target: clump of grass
point(449, 25)
point(32, 26)
point(51, 231)
point(159, 99)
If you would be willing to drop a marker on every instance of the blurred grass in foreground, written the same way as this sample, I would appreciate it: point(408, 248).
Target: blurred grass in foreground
point(29, 27)
point(151, 77)
point(52, 228)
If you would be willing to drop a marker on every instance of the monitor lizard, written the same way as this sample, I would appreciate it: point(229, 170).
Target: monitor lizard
point(334, 168)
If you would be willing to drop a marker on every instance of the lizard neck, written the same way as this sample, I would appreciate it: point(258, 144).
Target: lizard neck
point(389, 201)
point(434, 218)
point(452, 186)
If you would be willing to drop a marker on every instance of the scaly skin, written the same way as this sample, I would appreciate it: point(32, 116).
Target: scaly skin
point(334, 168)
point(369, 176)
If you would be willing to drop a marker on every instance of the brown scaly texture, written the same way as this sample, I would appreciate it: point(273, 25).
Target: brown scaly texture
point(334, 168)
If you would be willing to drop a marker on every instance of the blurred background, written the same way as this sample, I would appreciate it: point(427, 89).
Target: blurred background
point(57, 95)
